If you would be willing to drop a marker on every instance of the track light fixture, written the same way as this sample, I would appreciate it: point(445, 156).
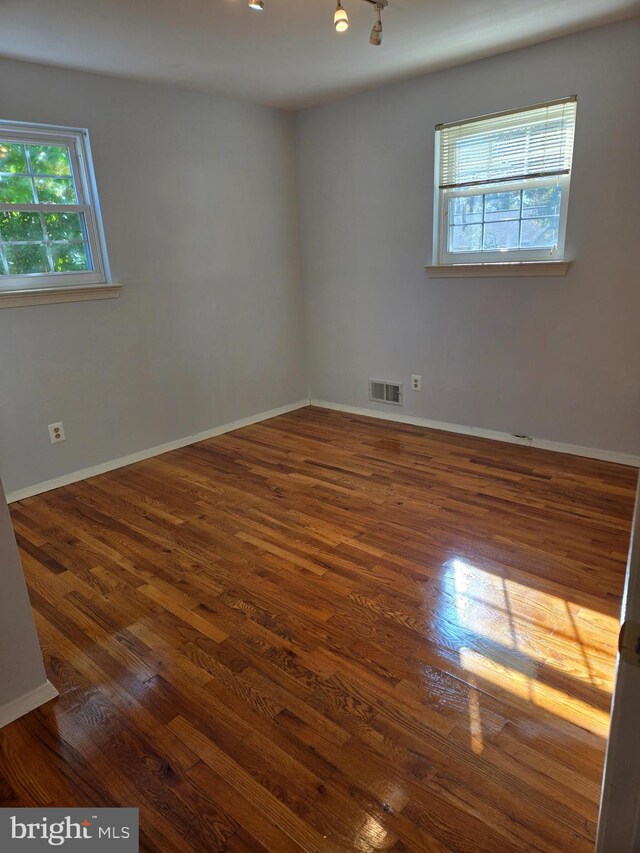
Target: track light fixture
point(376, 31)
point(341, 19)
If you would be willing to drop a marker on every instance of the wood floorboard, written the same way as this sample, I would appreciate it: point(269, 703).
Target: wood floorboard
point(325, 632)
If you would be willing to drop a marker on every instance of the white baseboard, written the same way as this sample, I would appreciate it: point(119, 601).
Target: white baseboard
point(85, 473)
point(103, 467)
point(557, 446)
point(28, 702)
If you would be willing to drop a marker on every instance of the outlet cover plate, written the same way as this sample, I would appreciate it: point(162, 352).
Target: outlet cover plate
point(56, 432)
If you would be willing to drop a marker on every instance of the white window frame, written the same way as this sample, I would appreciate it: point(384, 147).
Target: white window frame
point(445, 258)
point(555, 253)
point(77, 142)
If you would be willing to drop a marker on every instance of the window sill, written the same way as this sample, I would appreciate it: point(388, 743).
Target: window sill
point(530, 269)
point(52, 295)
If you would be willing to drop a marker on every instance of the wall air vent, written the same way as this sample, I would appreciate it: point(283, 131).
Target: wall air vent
point(385, 392)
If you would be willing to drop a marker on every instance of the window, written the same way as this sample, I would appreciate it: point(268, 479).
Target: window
point(50, 229)
point(502, 186)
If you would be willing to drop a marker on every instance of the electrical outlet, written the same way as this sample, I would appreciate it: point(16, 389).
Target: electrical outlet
point(56, 432)
point(416, 383)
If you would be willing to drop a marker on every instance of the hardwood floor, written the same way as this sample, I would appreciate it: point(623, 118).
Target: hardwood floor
point(328, 633)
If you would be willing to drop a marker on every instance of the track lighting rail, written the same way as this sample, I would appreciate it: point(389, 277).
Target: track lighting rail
point(341, 19)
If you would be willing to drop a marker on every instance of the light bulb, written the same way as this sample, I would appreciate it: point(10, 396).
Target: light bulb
point(258, 5)
point(340, 19)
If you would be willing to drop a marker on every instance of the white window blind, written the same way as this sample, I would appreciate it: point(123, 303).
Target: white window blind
point(532, 143)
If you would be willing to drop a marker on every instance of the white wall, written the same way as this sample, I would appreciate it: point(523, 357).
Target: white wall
point(201, 216)
point(554, 358)
point(199, 206)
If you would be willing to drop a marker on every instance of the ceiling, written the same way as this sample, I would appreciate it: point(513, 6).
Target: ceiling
point(289, 55)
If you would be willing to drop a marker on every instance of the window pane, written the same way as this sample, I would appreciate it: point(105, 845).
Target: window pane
point(70, 256)
point(20, 226)
point(540, 233)
point(541, 201)
point(56, 190)
point(15, 190)
point(465, 238)
point(501, 235)
point(49, 160)
point(65, 226)
point(12, 157)
point(23, 259)
point(500, 206)
point(465, 210)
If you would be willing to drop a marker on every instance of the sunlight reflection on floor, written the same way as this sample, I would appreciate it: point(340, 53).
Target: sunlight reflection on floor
point(475, 720)
point(535, 645)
